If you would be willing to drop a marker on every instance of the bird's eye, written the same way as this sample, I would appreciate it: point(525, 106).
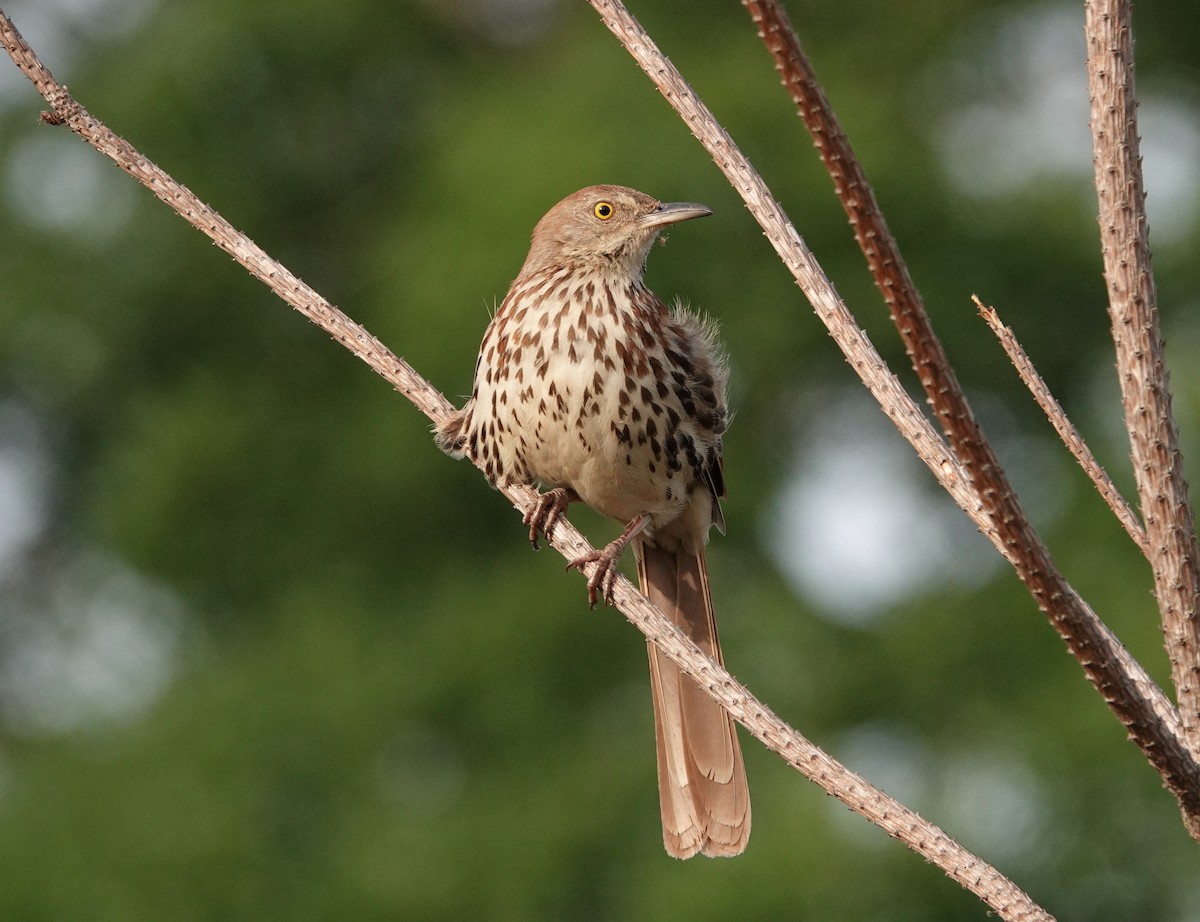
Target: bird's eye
point(603, 211)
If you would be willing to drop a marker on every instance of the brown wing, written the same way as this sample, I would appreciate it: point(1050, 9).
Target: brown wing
point(700, 358)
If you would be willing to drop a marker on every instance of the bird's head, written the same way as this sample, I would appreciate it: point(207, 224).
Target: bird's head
point(604, 226)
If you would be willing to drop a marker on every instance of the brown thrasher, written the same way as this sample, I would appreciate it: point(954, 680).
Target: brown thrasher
point(588, 385)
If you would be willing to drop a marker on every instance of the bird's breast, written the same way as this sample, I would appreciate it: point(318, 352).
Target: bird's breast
point(576, 387)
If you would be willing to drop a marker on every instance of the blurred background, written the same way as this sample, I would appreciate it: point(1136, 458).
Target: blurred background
point(266, 654)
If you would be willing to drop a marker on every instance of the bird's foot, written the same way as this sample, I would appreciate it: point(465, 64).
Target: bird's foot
point(603, 580)
point(546, 512)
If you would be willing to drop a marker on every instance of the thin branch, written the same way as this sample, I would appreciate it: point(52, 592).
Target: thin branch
point(1065, 428)
point(66, 111)
point(1141, 367)
point(926, 839)
point(1152, 721)
point(871, 231)
point(899, 821)
point(1006, 521)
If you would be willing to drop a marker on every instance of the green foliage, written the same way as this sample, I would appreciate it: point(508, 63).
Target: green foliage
point(380, 703)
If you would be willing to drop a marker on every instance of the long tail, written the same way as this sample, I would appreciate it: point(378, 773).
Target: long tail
point(701, 779)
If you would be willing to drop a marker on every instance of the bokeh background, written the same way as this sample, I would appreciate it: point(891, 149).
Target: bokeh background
point(266, 654)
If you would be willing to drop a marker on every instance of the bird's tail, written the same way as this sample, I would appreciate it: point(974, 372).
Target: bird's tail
point(451, 434)
point(701, 779)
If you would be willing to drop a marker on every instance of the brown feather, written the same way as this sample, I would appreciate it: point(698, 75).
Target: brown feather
point(701, 778)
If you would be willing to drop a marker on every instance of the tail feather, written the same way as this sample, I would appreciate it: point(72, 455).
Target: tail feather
point(451, 434)
point(701, 779)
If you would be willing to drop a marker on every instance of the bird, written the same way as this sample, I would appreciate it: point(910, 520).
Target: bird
point(588, 386)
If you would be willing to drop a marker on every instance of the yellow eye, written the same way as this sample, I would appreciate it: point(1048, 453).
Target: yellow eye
point(603, 211)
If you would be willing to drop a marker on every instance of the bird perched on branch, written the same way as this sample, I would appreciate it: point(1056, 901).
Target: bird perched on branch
point(587, 385)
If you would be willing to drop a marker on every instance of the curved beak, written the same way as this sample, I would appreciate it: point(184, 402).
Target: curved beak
point(674, 212)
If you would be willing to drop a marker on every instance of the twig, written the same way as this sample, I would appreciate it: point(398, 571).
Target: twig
point(905, 825)
point(899, 821)
point(66, 111)
point(1152, 721)
point(995, 497)
point(1065, 428)
point(1141, 367)
point(857, 197)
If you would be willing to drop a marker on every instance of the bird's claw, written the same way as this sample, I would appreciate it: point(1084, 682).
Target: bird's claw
point(546, 512)
point(603, 580)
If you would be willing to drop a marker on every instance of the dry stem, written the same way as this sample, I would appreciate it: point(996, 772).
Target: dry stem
point(1065, 429)
point(1141, 367)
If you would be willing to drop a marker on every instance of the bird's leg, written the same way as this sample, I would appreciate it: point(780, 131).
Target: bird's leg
point(604, 578)
point(546, 512)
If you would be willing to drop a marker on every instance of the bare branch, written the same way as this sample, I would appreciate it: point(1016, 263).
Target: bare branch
point(1148, 715)
point(1064, 427)
point(66, 111)
point(903, 824)
point(1141, 367)
point(899, 821)
point(871, 231)
point(997, 503)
